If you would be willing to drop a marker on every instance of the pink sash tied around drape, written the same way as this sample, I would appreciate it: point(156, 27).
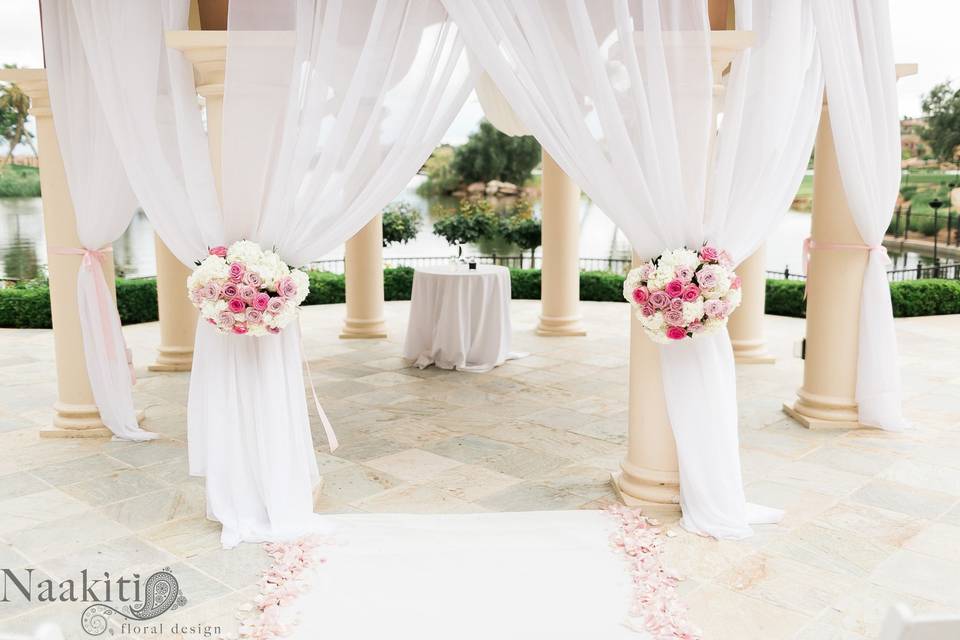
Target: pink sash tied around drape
point(90, 258)
point(809, 245)
point(332, 441)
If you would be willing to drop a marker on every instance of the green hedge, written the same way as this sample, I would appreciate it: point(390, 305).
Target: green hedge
point(27, 306)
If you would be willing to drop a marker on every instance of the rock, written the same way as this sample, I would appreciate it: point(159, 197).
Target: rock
point(508, 189)
point(476, 187)
point(459, 193)
point(493, 187)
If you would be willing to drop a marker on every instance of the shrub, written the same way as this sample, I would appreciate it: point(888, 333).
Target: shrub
point(137, 300)
point(25, 308)
point(925, 297)
point(397, 283)
point(488, 154)
point(521, 228)
point(525, 284)
point(601, 286)
point(325, 288)
point(401, 223)
point(785, 298)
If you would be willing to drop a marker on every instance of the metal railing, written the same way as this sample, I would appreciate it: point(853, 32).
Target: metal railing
point(613, 265)
point(941, 270)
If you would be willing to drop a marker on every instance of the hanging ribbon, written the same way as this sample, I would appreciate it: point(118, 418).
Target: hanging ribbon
point(809, 245)
point(324, 420)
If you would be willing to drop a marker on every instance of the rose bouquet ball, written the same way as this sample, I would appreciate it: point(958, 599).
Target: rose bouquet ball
point(683, 293)
point(243, 289)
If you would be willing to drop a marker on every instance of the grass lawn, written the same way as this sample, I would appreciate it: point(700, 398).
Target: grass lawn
point(18, 181)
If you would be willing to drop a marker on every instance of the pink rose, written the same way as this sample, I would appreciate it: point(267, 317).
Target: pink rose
point(641, 295)
point(211, 291)
point(646, 269)
point(676, 333)
point(647, 310)
point(673, 317)
point(707, 278)
point(715, 308)
point(676, 305)
point(659, 299)
point(273, 330)
point(287, 287)
point(695, 327)
point(254, 316)
point(240, 328)
point(196, 295)
point(261, 300)
point(735, 283)
point(218, 251)
point(709, 254)
point(275, 305)
point(683, 273)
point(253, 279)
point(226, 319)
point(236, 305)
point(211, 321)
point(236, 271)
point(230, 290)
point(690, 293)
point(248, 293)
point(674, 288)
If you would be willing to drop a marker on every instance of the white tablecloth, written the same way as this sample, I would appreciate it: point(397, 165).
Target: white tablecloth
point(459, 318)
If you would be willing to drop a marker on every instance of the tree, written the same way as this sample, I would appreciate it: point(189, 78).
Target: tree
point(490, 154)
point(522, 229)
point(472, 222)
point(942, 108)
point(14, 108)
point(401, 223)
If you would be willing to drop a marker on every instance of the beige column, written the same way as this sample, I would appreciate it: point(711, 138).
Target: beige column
point(363, 261)
point(76, 414)
point(746, 324)
point(560, 273)
point(178, 317)
point(649, 472)
point(827, 398)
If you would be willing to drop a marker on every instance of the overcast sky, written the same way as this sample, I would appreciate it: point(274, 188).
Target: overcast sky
point(924, 31)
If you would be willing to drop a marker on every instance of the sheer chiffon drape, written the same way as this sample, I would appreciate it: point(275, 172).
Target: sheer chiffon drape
point(856, 44)
point(104, 206)
point(329, 108)
point(620, 94)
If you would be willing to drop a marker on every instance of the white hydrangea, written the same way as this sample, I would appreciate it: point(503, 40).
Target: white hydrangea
point(733, 297)
point(303, 284)
point(245, 251)
point(271, 269)
point(692, 310)
point(659, 278)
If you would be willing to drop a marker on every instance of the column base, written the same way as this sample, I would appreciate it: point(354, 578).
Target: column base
point(363, 329)
point(636, 487)
point(173, 359)
point(751, 352)
point(823, 412)
point(565, 326)
point(79, 421)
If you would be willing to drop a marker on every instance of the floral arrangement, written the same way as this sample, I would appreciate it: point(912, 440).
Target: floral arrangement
point(243, 289)
point(683, 293)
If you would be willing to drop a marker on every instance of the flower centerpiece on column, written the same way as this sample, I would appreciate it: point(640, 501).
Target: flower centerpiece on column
point(683, 293)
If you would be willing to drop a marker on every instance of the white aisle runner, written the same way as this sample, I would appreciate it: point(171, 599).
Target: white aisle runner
point(490, 576)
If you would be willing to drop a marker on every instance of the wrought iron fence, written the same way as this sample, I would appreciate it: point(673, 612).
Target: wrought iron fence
point(941, 270)
point(613, 265)
point(908, 224)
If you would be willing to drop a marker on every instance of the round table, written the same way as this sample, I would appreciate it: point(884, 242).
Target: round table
point(459, 318)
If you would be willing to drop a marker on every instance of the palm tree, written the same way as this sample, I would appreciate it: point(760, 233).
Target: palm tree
point(14, 108)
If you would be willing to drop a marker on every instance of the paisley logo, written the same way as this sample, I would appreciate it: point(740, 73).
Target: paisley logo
point(161, 594)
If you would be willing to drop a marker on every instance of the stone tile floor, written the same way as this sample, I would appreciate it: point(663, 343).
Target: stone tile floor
point(872, 517)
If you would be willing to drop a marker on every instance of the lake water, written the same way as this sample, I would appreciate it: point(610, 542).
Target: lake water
point(23, 250)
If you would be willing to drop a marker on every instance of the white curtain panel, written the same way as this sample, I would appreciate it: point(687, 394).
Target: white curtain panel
point(860, 75)
point(620, 94)
point(104, 206)
point(329, 109)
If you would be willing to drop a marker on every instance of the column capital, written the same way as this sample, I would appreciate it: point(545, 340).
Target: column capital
point(724, 47)
point(33, 82)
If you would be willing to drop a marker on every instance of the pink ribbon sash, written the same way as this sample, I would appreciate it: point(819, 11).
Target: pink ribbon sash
point(809, 245)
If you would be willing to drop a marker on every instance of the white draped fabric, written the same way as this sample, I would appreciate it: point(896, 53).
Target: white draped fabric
point(104, 206)
point(329, 108)
point(860, 75)
point(619, 93)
